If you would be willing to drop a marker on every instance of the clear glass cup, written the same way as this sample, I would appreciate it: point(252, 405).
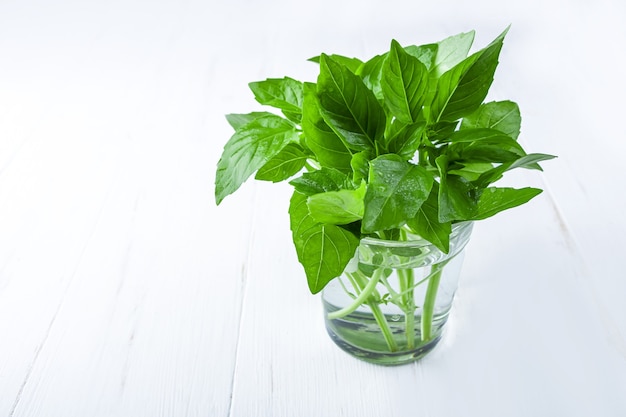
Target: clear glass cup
point(392, 301)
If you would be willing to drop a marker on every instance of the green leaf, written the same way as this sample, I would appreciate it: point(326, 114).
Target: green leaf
point(471, 171)
point(483, 145)
point(283, 93)
point(284, 165)
point(371, 70)
point(337, 207)
point(476, 135)
point(321, 181)
point(462, 89)
point(405, 139)
point(496, 150)
point(348, 106)
point(237, 120)
point(501, 115)
point(395, 192)
point(527, 161)
point(451, 51)
point(457, 198)
point(329, 149)
point(425, 53)
point(251, 147)
point(323, 250)
point(426, 223)
point(494, 200)
point(530, 161)
point(404, 82)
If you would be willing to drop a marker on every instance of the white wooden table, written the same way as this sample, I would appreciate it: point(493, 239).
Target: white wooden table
point(124, 290)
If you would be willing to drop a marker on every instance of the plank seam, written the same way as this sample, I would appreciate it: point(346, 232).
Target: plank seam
point(244, 279)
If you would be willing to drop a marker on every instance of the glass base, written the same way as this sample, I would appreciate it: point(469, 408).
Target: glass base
point(360, 335)
point(381, 358)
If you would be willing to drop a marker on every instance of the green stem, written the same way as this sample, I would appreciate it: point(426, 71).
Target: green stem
point(384, 325)
point(367, 291)
point(429, 301)
point(407, 278)
point(370, 296)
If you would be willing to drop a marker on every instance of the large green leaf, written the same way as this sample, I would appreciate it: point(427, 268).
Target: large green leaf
point(395, 192)
point(251, 147)
point(451, 51)
point(284, 165)
point(448, 53)
point(348, 106)
point(493, 200)
point(337, 207)
point(425, 53)
point(501, 115)
point(404, 82)
point(462, 89)
point(324, 250)
point(426, 223)
point(329, 149)
point(502, 150)
point(371, 70)
point(483, 145)
point(283, 93)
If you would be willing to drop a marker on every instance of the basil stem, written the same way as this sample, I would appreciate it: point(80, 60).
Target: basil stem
point(367, 291)
point(429, 300)
point(367, 294)
point(406, 280)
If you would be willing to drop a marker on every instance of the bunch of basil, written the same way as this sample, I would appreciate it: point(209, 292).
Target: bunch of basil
point(402, 140)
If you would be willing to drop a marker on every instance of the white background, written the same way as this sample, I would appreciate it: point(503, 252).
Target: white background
point(124, 290)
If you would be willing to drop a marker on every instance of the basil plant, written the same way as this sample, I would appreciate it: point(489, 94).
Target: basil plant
point(399, 142)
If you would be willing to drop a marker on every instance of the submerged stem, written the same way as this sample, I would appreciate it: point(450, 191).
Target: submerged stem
point(384, 325)
point(429, 300)
point(370, 296)
point(367, 291)
point(406, 280)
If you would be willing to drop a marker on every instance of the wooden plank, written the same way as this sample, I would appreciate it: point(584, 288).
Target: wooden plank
point(45, 231)
point(150, 313)
point(115, 261)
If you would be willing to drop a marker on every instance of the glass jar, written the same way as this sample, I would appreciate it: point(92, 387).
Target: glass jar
point(393, 299)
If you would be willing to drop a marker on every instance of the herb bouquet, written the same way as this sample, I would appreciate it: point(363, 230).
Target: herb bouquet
point(391, 160)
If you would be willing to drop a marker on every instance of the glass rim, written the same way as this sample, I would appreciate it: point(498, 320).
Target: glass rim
point(457, 228)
